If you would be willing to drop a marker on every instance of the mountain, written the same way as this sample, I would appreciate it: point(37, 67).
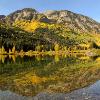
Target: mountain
point(27, 29)
point(2, 18)
point(74, 21)
point(26, 14)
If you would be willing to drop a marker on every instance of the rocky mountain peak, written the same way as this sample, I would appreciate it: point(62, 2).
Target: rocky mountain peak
point(2, 18)
point(26, 14)
point(73, 20)
point(29, 9)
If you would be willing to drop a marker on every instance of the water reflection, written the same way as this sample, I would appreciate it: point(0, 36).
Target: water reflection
point(39, 57)
point(29, 76)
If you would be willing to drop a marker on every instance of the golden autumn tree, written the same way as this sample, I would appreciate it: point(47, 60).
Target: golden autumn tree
point(28, 26)
point(56, 47)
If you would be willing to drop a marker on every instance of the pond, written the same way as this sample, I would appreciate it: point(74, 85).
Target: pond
point(66, 77)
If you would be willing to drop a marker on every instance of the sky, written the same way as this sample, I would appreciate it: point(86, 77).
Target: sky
point(89, 8)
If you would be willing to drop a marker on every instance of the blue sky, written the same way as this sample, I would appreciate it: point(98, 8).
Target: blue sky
point(89, 8)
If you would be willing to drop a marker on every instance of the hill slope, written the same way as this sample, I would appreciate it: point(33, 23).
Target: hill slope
point(28, 29)
point(74, 21)
point(77, 22)
point(26, 14)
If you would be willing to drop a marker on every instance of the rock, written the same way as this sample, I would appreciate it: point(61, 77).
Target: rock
point(26, 14)
point(2, 18)
point(74, 21)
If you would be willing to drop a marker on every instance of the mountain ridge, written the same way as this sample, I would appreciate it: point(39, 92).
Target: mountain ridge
point(28, 29)
point(77, 22)
point(69, 18)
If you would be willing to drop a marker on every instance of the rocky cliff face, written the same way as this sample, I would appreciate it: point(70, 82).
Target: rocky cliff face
point(74, 21)
point(2, 18)
point(26, 14)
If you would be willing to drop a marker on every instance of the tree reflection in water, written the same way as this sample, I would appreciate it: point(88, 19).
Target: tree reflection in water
point(57, 74)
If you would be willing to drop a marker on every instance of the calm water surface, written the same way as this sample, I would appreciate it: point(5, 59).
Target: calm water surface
point(68, 77)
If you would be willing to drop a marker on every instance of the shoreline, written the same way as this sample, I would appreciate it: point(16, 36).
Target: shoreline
point(45, 52)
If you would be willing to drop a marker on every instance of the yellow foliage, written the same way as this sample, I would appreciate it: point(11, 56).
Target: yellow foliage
point(56, 47)
point(13, 49)
point(3, 50)
point(37, 80)
point(2, 58)
point(27, 26)
point(57, 58)
point(31, 26)
point(96, 38)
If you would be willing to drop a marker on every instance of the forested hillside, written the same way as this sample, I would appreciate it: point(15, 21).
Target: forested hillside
point(28, 29)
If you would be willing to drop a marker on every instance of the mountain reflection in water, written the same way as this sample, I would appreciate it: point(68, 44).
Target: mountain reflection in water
point(29, 76)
